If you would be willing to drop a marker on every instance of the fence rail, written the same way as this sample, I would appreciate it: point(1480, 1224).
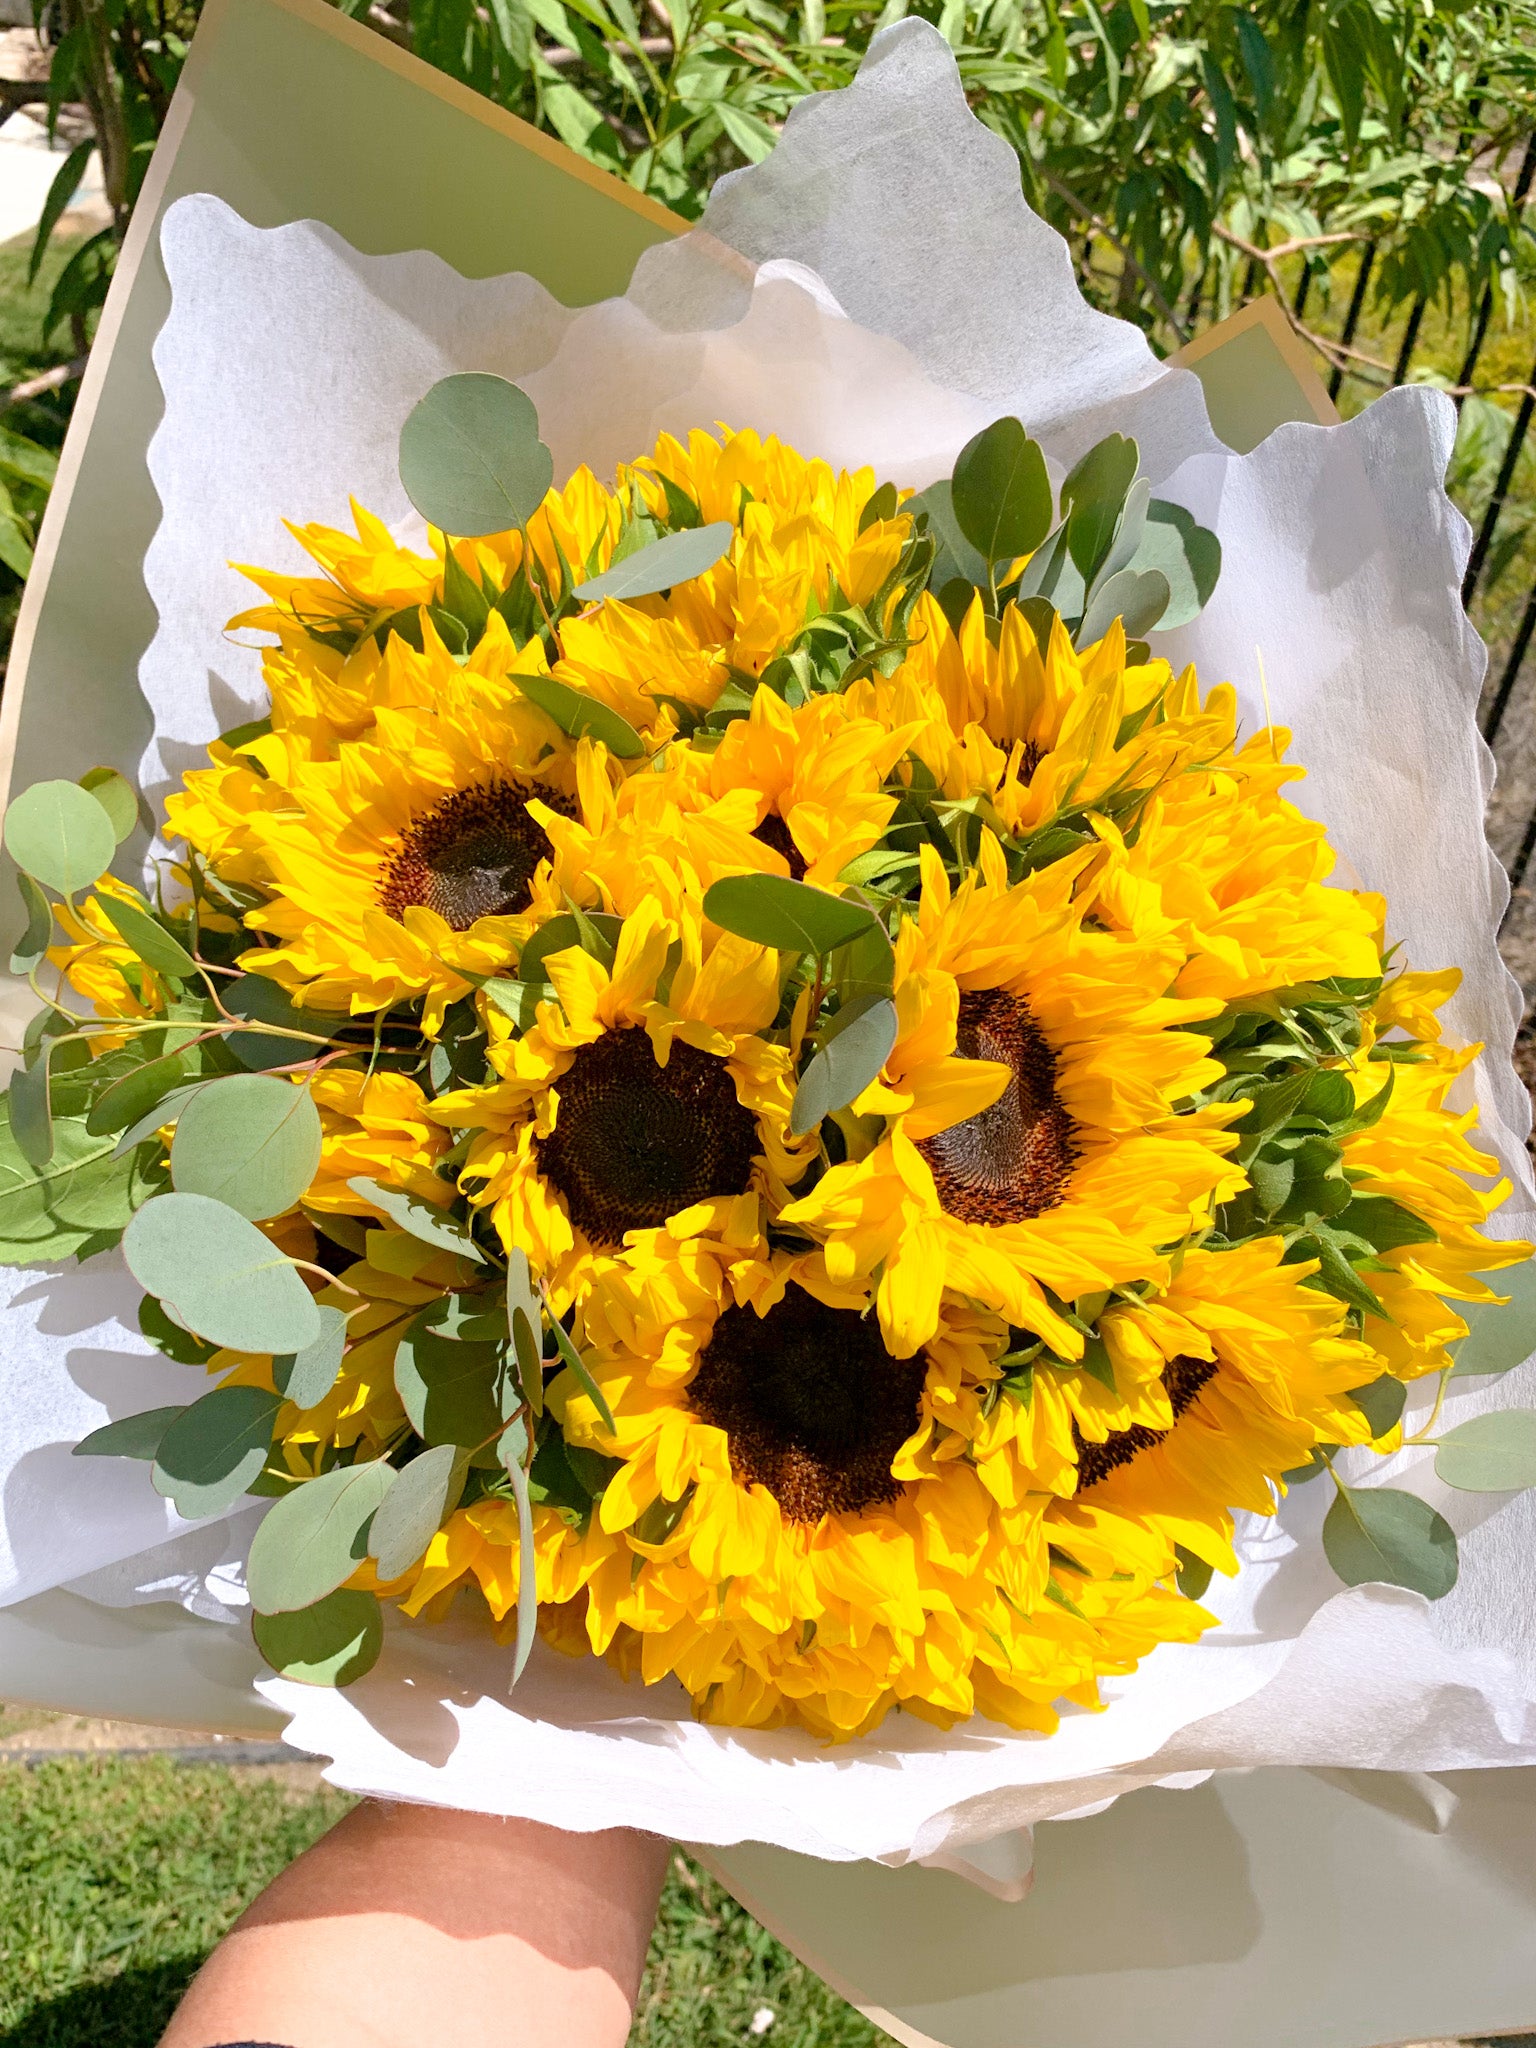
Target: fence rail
point(1508, 709)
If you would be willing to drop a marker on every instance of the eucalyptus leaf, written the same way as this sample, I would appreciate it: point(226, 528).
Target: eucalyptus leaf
point(577, 714)
point(31, 1111)
point(1382, 1401)
point(306, 1377)
point(1001, 493)
point(213, 1450)
point(1381, 1535)
point(150, 941)
point(334, 1642)
point(858, 1045)
point(431, 1226)
point(450, 1391)
point(258, 998)
point(225, 1280)
point(1128, 534)
point(558, 935)
point(525, 1321)
point(1194, 1575)
point(578, 1366)
point(1096, 490)
point(33, 944)
point(794, 917)
point(1139, 597)
point(60, 835)
point(1188, 554)
point(425, 1493)
point(251, 1140)
point(675, 558)
point(117, 797)
point(1051, 578)
point(866, 966)
point(315, 1538)
point(165, 1111)
point(1500, 1335)
point(515, 1462)
point(134, 1436)
point(170, 1336)
point(956, 558)
point(1494, 1453)
point(47, 1213)
point(471, 459)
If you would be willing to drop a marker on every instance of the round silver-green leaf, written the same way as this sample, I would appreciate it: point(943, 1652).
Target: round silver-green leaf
point(1379, 1535)
point(1493, 1453)
point(471, 459)
point(857, 1047)
point(576, 714)
point(424, 1494)
point(675, 558)
point(117, 797)
point(794, 917)
point(224, 1280)
point(331, 1643)
point(1001, 492)
point(251, 1140)
point(60, 835)
point(213, 1450)
point(315, 1538)
point(306, 1377)
point(132, 1436)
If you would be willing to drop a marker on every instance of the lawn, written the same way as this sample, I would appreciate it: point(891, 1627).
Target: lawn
point(117, 1876)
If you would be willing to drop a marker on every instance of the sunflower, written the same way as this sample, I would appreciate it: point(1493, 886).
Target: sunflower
point(1037, 733)
point(644, 1100)
point(1026, 1149)
point(808, 540)
point(377, 1127)
point(1420, 1155)
point(1220, 1382)
point(1228, 869)
point(409, 856)
point(791, 1525)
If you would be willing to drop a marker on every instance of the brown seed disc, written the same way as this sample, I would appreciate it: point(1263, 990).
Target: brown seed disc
point(775, 833)
point(1183, 1377)
point(634, 1142)
point(472, 855)
point(1014, 1159)
point(814, 1405)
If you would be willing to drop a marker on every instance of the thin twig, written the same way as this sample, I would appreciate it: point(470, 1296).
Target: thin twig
point(1087, 213)
point(1295, 247)
point(50, 380)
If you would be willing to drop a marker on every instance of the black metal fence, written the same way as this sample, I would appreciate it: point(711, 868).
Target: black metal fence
point(1508, 710)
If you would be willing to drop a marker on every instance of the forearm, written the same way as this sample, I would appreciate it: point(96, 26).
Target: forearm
point(410, 1926)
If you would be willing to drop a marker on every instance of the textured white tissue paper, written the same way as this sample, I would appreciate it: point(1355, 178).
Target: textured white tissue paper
point(873, 292)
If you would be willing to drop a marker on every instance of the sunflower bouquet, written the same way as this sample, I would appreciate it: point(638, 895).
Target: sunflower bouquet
point(740, 1076)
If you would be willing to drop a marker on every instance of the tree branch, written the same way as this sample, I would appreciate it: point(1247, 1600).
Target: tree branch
point(1084, 212)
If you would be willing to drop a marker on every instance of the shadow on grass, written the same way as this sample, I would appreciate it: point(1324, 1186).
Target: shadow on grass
point(130, 2010)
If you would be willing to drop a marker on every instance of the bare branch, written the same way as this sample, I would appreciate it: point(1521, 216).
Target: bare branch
point(1154, 289)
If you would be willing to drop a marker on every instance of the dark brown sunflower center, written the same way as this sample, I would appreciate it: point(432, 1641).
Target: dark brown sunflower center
point(634, 1142)
point(472, 855)
point(1183, 1377)
point(1013, 1160)
point(814, 1405)
point(775, 833)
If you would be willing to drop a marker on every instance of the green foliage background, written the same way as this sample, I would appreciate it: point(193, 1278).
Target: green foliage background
point(1193, 152)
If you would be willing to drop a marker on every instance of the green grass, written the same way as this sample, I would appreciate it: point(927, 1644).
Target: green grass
point(117, 1876)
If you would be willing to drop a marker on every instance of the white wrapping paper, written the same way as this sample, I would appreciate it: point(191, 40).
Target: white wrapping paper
point(874, 292)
